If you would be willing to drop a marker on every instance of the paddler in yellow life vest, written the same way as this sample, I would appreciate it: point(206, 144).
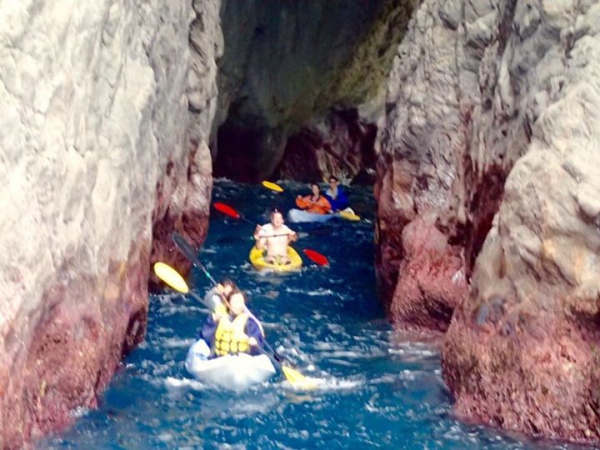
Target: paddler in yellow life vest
point(236, 330)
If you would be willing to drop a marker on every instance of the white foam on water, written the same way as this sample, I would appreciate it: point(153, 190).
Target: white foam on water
point(324, 384)
point(176, 342)
point(175, 384)
point(413, 352)
point(78, 412)
point(311, 293)
point(166, 437)
point(345, 354)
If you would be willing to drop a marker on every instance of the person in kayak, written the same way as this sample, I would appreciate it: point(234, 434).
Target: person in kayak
point(233, 330)
point(336, 196)
point(315, 203)
point(275, 238)
point(214, 298)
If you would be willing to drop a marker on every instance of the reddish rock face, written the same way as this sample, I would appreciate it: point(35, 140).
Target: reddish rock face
point(182, 200)
point(343, 145)
point(80, 336)
point(513, 365)
point(431, 280)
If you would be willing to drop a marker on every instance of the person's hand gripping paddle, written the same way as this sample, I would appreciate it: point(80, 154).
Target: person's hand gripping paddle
point(313, 255)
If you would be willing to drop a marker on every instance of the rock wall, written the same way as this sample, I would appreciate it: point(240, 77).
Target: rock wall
point(488, 170)
point(93, 151)
point(286, 63)
point(342, 144)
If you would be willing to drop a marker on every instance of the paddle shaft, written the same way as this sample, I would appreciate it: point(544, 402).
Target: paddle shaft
point(277, 235)
point(228, 210)
point(190, 253)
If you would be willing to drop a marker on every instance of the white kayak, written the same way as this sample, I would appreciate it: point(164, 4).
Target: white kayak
point(298, 216)
point(233, 372)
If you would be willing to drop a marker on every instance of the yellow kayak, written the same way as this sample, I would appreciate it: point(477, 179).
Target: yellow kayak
point(258, 261)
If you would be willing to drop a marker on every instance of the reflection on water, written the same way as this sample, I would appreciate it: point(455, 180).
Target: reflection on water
point(375, 389)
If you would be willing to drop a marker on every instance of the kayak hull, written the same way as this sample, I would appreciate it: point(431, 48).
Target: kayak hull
point(299, 216)
point(258, 261)
point(231, 372)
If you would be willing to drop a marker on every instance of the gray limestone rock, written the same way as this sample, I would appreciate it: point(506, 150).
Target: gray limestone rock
point(492, 134)
point(93, 152)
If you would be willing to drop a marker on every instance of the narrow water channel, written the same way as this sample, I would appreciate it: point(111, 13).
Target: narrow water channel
point(378, 389)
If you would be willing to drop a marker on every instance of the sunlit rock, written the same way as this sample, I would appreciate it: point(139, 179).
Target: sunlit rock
point(93, 152)
point(492, 137)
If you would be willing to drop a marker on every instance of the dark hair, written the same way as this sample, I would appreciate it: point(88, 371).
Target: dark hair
point(228, 282)
point(315, 184)
point(333, 177)
point(275, 211)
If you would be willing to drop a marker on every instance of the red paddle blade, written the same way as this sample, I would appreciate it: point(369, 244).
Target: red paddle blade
point(316, 257)
point(227, 210)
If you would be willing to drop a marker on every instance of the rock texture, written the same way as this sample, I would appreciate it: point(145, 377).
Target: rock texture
point(93, 151)
point(490, 156)
point(342, 145)
point(286, 63)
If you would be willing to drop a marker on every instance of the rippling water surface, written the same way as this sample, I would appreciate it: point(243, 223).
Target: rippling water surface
point(377, 389)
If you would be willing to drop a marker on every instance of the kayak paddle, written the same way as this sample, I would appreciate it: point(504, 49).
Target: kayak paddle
point(313, 255)
point(292, 375)
point(189, 252)
point(174, 279)
point(272, 186)
point(316, 257)
point(229, 211)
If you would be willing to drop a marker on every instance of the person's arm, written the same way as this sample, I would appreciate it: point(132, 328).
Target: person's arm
point(292, 236)
point(302, 202)
point(342, 199)
point(260, 241)
point(212, 299)
point(325, 205)
point(254, 333)
point(209, 329)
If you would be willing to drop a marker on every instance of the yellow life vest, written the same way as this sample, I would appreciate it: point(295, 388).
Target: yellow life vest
point(230, 337)
point(221, 310)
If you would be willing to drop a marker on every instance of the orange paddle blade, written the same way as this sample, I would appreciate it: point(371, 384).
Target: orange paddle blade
point(227, 210)
point(316, 257)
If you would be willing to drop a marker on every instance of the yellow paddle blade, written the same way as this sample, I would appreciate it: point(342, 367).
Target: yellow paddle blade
point(296, 379)
point(349, 216)
point(171, 277)
point(272, 186)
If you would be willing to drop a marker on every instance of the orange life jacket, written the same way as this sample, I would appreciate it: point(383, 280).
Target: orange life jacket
point(321, 206)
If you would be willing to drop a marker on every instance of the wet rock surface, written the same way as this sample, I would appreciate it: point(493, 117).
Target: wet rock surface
point(343, 145)
point(94, 151)
point(491, 139)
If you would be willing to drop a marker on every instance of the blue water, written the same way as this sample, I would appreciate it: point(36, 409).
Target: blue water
point(377, 389)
